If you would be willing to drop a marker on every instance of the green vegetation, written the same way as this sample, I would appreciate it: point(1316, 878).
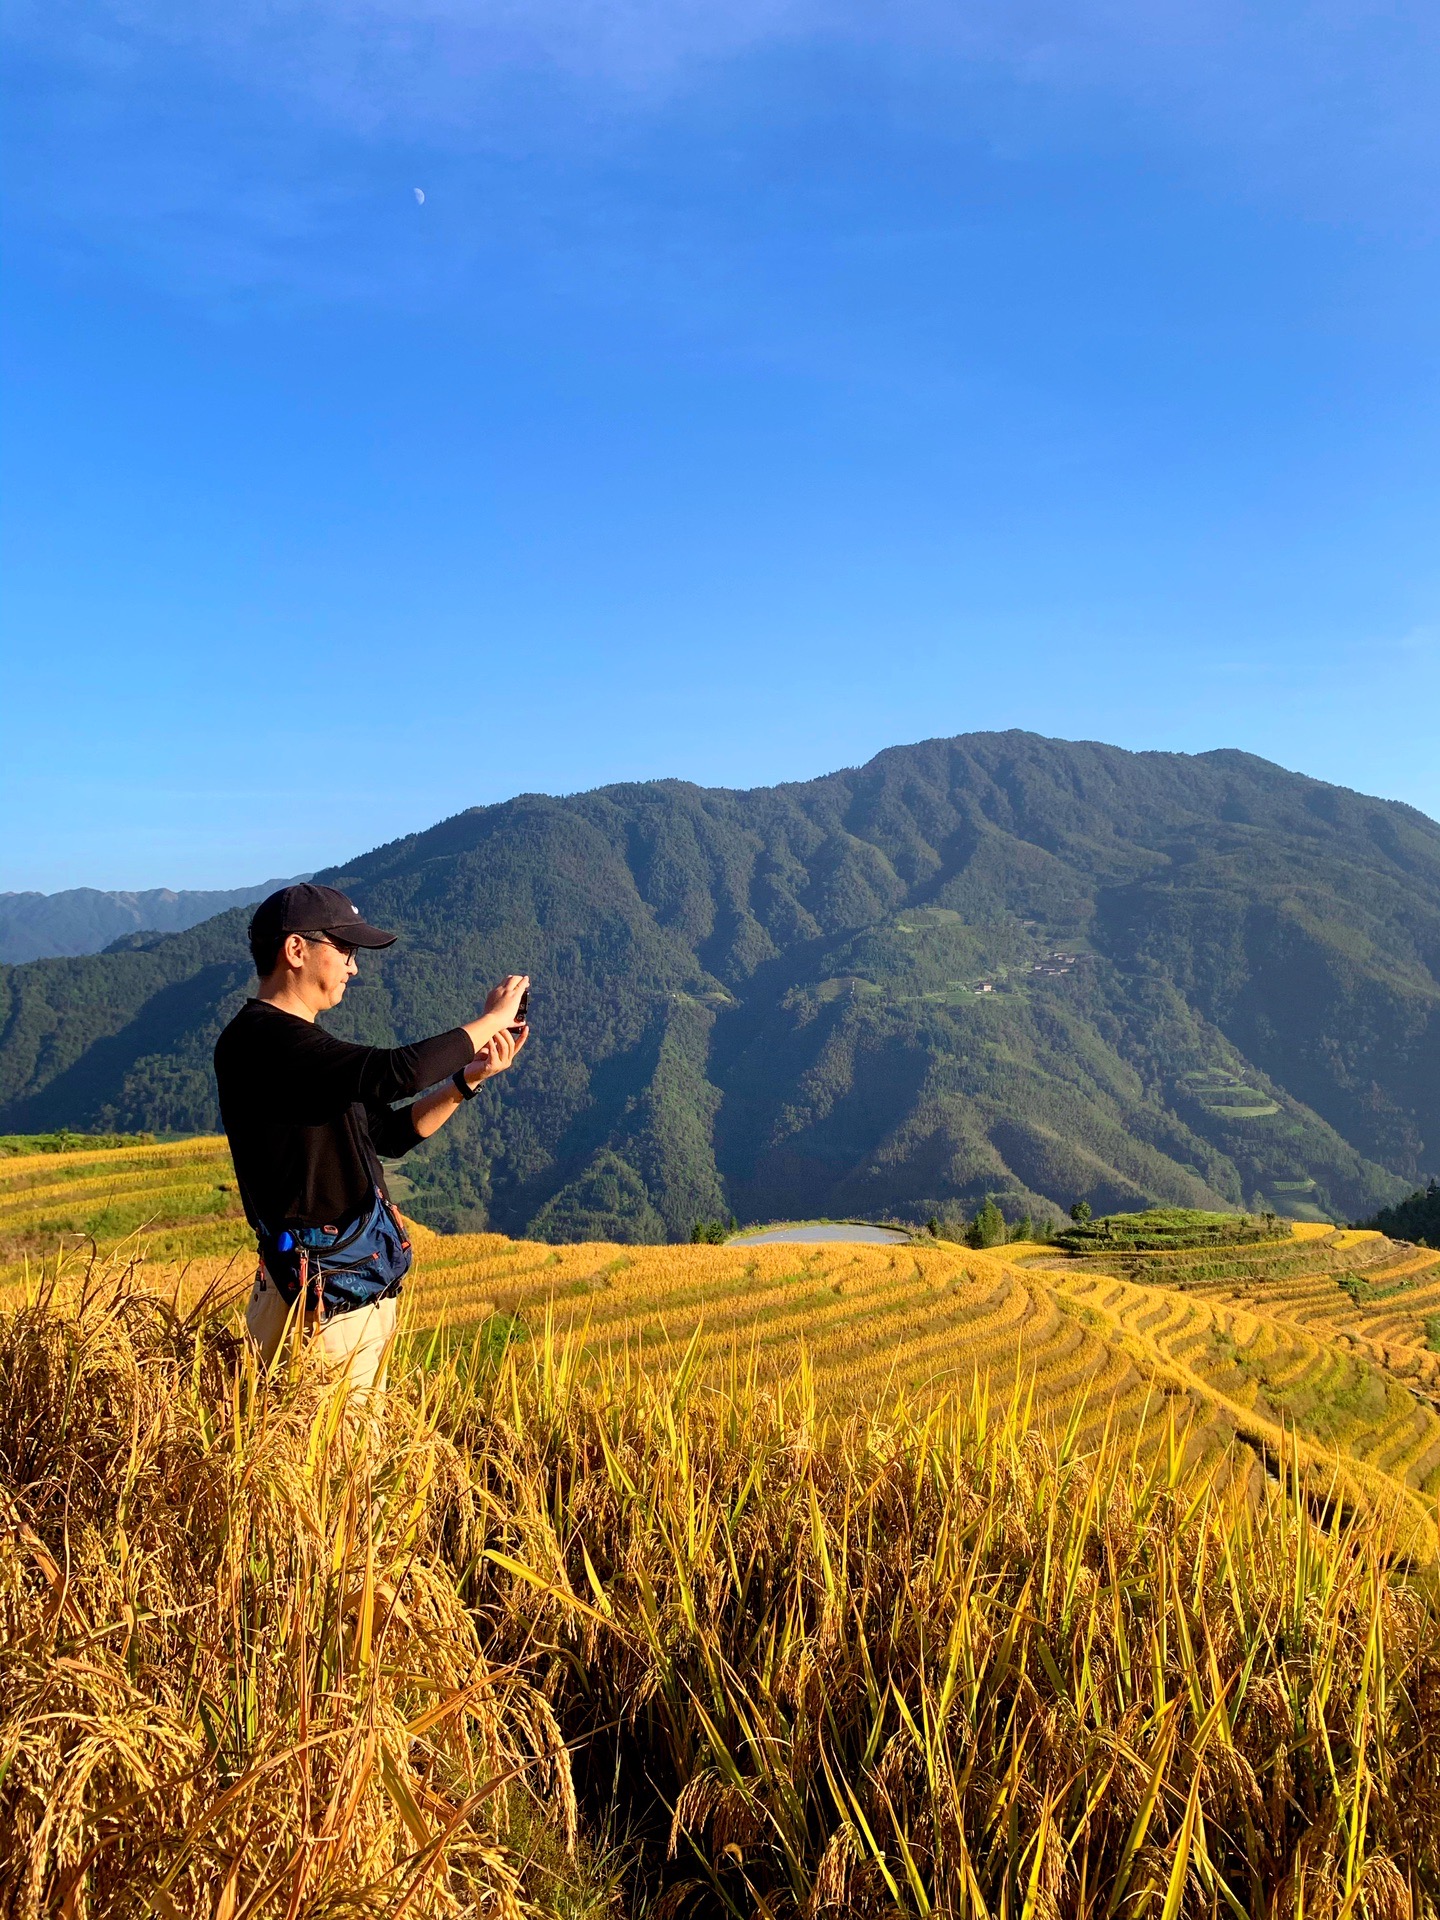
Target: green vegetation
point(14, 1144)
point(1167, 1229)
point(713, 1233)
point(1210, 982)
point(1417, 1218)
point(988, 1228)
point(1365, 1292)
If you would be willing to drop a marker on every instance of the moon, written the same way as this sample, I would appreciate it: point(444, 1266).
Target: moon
point(419, 193)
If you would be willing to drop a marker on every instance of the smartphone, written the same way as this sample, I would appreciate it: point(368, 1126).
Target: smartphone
point(522, 1012)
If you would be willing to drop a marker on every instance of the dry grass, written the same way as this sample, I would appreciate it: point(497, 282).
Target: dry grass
point(957, 1664)
point(236, 1675)
point(260, 1657)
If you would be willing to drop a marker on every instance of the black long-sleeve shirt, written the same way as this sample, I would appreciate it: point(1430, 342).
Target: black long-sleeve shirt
point(306, 1114)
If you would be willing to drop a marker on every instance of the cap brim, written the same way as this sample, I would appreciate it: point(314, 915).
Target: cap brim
point(359, 933)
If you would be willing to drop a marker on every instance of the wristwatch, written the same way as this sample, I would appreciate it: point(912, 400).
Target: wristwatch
point(466, 1091)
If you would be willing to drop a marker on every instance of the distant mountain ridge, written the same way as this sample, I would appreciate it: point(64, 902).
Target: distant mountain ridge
point(41, 926)
point(997, 964)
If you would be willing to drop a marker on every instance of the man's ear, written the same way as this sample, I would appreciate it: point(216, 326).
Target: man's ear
point(293, 950)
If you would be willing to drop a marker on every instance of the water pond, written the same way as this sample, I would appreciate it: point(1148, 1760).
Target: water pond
point(807, 1235)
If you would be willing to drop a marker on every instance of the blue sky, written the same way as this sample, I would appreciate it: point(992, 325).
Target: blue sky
point(759, 384)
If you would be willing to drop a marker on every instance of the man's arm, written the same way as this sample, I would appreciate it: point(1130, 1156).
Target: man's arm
point(429, 1114)
point(317, 1075)
point(322, 1074)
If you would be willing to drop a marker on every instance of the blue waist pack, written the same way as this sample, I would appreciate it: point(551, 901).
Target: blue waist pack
point(339, 1268)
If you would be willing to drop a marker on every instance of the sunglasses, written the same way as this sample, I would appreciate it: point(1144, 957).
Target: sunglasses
point(342, 947)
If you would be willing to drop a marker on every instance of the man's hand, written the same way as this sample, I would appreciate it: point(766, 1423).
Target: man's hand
point(498, 1038)
point(496, 1055)
point(506, 997)
point(502, 1010)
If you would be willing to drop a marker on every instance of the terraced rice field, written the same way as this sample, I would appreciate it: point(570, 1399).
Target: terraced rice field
point(176, 1201)
point(867, 1318)
point(1378, 1311)
point(1273, 1372)
point(1316, 1346)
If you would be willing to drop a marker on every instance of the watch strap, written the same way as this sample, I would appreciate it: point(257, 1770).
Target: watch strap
point(463, 1086)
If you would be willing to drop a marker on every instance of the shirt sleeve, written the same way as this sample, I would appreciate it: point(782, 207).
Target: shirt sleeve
point(392, 1130)
point(327, 1075)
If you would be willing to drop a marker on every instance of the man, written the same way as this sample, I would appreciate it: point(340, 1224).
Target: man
point(307, 1115)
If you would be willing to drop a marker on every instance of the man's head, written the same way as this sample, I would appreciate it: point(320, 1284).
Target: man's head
point(303, 940)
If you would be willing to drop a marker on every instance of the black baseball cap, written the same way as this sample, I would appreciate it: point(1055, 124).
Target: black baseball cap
point(307, 908)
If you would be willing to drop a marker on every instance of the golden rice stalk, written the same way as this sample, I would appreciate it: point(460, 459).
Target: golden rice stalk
point(257, 1657)
point(235, 1672)
point(952, 1662)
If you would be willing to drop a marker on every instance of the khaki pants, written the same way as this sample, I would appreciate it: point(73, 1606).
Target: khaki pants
point(355, 1344)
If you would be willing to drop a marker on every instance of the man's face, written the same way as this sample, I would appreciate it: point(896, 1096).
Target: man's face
point(325, 970)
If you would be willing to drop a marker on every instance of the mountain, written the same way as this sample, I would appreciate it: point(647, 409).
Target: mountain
point(992, 965)
point(36, 926)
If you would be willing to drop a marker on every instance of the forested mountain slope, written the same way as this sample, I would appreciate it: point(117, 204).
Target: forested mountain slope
point(993, 964)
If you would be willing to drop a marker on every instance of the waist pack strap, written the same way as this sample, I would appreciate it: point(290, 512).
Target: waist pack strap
point(339, 1268)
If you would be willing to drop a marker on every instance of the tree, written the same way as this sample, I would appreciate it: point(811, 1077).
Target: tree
point(1080, 1212)
point(987, 1229)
